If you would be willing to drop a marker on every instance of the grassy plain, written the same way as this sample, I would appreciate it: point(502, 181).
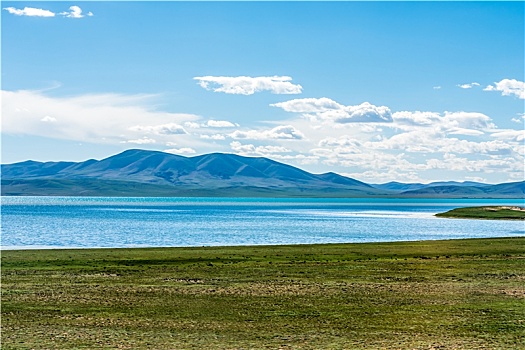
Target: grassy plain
point(490, 213)
point(457, 294)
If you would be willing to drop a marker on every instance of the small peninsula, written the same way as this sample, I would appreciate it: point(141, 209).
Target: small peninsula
point(488, 213)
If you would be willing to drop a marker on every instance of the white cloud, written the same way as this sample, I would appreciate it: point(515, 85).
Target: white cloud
point(249, 85)
point(485, 166)
point(416, 144)
point(416, 118)
point(376, 165)
point(183, 150)
point(101, 118)
point(329, 110)
point(74, 12)
point(30, 12)
point(466, 123)
point(510, 135)
point(249, 149)
point(48, 119)
point(213, 137)
point(192, 125)
point(163, 129)
point(468, 120)
point(468, 86)
point(508, 87)
point(520, 119)
point(211, 124)
point(142, 141)
point(466, 132)
point(282, 132)
point(309, 105)
point(432, 141)
point(344, 144)
point(374, 176)
point(366, 112)
point(220, 124)
point(436, 87)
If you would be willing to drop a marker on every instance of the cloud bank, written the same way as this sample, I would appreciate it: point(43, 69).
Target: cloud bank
point(249, 85)
point(404, 145)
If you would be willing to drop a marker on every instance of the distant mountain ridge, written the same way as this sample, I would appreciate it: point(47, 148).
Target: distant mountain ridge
point(152, 173)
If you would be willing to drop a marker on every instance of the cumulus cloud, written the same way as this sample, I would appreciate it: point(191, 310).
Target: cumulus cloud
point(30, 12)
point(468, 86)
point(508, 87)
point(220, 124)
point(74, 12)
point(519, 119)
point(183, 150)
point(192, 125)
point(309, 105)
point(435, 142)
point(416, 118)
point(211, 124)
point(142, 141)
point(213, 137)
point(249, 85)
point(466, 123)
point(341, 145)
point(163, 129)
point(249, 149)
point(327, 109)
point(469, 120)
point(282, 132)
point(278, 153)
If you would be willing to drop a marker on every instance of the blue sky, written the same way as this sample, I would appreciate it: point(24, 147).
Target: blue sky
point(378, 91)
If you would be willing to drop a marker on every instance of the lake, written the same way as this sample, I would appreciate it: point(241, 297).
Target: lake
point(90, 222)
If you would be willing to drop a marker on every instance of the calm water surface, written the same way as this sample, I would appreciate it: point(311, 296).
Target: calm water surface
point(87, 222)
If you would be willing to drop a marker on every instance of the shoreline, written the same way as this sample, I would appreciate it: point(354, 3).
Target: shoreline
point(251, 246)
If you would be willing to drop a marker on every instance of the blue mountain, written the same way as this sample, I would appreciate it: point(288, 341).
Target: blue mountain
point(151, 173)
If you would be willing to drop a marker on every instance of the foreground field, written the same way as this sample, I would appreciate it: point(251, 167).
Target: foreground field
point(461, 294)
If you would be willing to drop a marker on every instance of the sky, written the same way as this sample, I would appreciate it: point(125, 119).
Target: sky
point(377, 91)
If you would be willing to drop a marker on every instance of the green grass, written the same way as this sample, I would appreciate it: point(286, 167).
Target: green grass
point(457, 294)
point(492, 213)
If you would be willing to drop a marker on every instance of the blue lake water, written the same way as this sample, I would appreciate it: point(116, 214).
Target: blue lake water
point(88, 222)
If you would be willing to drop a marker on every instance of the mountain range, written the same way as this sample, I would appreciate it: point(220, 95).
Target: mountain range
point(152, 173)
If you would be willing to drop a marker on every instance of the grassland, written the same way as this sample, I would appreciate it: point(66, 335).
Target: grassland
point(457, 294)
point(489, 213)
